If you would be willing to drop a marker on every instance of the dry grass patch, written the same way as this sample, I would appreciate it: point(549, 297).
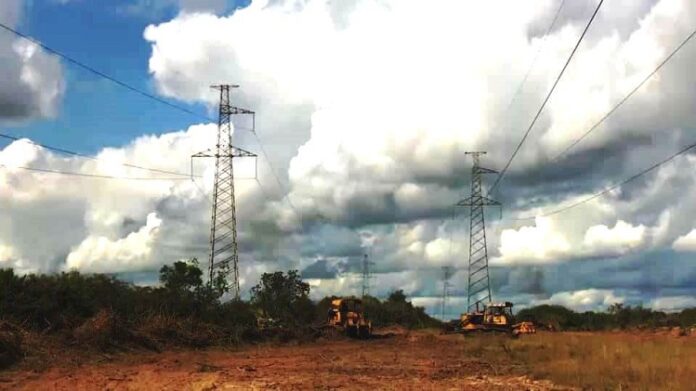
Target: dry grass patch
point(603, 361)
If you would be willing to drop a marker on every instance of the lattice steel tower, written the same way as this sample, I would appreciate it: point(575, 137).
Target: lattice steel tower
point(366, 275)
point(224, 255)
point(446, 275)
point(479, 283)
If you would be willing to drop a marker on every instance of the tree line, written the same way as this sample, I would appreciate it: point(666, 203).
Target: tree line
point(617, 316)
point(182, 308)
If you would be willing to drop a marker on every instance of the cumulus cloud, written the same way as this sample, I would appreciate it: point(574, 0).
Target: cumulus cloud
point(55, 222)
point(6, 253)
point(393, 106)
point(33, 83)
point(686, 242)
point(618, 240)
point(673, 303)
point(131, 253)
point(540, 243)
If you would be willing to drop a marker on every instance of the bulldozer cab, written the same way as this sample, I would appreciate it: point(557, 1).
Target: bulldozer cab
point(343, 309)
point(347, 313)
point(350, 305)
point(498, 314)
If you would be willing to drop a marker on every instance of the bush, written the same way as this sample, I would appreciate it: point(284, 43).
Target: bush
point(102, 331)
point(284, 298)
point(169, 330)
point(10, 344)
point(617, 316)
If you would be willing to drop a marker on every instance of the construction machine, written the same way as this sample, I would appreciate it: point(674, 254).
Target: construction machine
point(347, 314)
point(496, 317)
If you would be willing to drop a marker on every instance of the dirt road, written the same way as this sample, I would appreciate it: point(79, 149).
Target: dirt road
point(424, 361)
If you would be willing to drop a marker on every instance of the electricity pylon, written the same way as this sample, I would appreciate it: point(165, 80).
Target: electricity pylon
point(479, 282)
point(224, 253)
point(446, 275)
point(366, 275)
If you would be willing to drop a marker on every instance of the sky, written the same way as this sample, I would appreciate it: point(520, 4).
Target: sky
point(365, 110)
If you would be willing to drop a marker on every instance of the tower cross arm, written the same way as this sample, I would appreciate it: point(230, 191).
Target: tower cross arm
point(231, 110)
point(476, 201)
point(239, 152)
point(484, 170)
point(234, 152)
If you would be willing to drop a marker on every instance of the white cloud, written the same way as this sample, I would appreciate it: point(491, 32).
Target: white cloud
point(393, 105)
point(624, 237)
point(541, 243)
point(672, 303)
point(686, 242)
point(6, 253)
point(53, 222)
point(33, 83)
point(131, 253)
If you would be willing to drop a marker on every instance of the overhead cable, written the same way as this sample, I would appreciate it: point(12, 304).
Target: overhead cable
point(104, 75)
point(99, 176)
point(548, 96)
point(625, 98)
point(536, 56)
point(612, 187)
point(81, 155)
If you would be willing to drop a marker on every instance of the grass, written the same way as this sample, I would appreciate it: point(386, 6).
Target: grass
point(596, 361)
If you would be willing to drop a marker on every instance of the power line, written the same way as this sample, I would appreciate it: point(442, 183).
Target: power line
point(548, 96)
point(81, 155)
point(277, 179)
point(138, 91)
point(81, 174)
point(610, 188)
point(625, 98)
point(104, 75)
point(536, 56)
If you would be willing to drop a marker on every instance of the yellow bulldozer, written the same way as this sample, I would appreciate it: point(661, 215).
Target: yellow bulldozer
point(347, 315)
point(495, 317)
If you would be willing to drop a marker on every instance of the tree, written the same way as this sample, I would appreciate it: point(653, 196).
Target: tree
point(284, 298)
point(555, 316)
point(615, 309)
point(182, 276)
point(397, 296)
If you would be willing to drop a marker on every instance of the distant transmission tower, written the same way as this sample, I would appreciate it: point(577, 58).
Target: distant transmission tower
point(446, 275)
point(479, 284)
point(366, 275)
point(224, 255)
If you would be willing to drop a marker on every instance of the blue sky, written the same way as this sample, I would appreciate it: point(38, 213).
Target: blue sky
point(95, 112)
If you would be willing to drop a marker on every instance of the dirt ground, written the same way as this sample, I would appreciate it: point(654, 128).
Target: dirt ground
point(398, 361)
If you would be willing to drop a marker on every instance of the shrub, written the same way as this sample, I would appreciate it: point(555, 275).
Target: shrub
point(10, 344)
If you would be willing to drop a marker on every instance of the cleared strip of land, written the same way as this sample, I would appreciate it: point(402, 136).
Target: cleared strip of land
point(400, 360)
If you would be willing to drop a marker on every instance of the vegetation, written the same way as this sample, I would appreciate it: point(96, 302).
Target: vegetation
point(592, 361)
point(100, 311)
point(283, 298)
point(617, 316)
